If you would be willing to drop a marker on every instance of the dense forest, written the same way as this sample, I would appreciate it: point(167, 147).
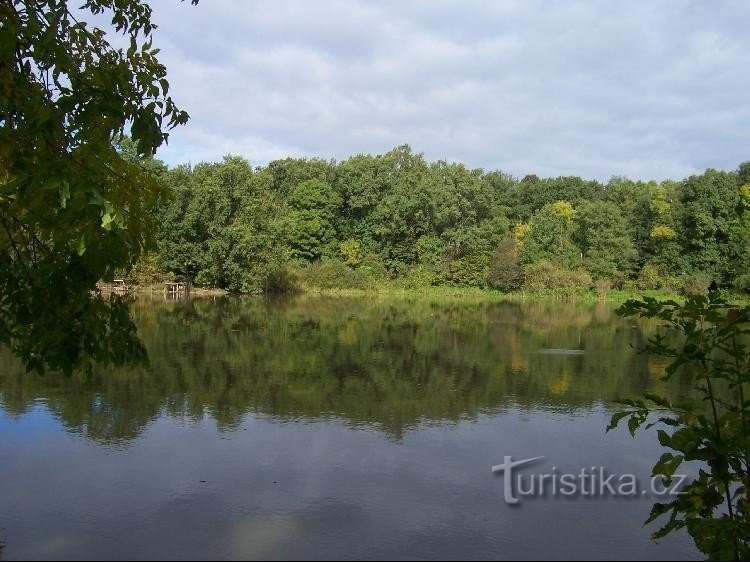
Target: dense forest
point(398, 220)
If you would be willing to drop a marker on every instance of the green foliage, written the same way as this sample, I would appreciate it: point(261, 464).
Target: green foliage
point(710, 203)
point(372, 265)
point(661, 232)
point(285, 175)
point(406, 211)
point(313, 207)
point(742, 283)
point(715, 506)
point(72, 208)
point(146, 271)
point(634, 200)
point(418, 224)
point(532, 193)
point(333, 274)
point(420, 276)
point(547, 276)
point(431, 251)
point(602, 236)
point(468, 252)
point(696, 284)
point(361, 181)
point(743, 173)
point(550, 236)
point(81, 198)
point(351, 252)
point(222, 226)
point(739, 243)
point(252, 245)
point(652, 277)
point(745, 195)
point(282, 281)
point(506, 273)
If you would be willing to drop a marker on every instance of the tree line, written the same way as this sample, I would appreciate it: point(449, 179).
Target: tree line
point(401, 220)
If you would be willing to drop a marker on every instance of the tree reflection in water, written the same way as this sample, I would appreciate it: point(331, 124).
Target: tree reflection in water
point(384, 362)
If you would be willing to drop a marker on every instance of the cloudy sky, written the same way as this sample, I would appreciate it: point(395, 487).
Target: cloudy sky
point(640, 88)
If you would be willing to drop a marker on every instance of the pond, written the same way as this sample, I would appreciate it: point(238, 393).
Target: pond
point(333, 427)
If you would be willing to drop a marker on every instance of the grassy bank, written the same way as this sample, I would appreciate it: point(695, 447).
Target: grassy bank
point(158, 288)
point(475, 294)
point(449, 293)
point(465, 294)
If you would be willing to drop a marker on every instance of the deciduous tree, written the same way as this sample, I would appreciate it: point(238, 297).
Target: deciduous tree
point(72, 210)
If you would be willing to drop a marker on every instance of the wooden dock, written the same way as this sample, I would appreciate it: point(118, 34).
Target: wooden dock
point(116, 286)
point(175, 289)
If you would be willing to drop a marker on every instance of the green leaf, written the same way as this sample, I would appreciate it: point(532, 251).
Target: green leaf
point(81, 246)
point(658, 400)
point(633, 424)
point(616, 419)
point(107, 221)
point(667, 465)
point(64, 194)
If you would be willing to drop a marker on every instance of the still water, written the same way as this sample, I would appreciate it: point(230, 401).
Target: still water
point(316, 428)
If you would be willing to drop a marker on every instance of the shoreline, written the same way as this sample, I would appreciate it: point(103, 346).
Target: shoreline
point(445, 293)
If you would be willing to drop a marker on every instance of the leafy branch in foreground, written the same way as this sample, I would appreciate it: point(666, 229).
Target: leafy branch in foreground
point(712, 346)
point(72, 210)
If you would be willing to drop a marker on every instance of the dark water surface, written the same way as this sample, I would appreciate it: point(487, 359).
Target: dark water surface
point(319, 428)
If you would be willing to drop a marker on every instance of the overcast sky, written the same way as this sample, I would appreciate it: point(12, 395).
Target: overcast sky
point(644, 89)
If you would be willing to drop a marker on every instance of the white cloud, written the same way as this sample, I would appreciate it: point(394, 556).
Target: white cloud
point(644, 89)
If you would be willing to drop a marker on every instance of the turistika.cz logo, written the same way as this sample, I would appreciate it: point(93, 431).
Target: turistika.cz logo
point(589, 482)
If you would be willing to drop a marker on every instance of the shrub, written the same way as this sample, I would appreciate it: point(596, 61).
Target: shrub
point(548, 276)
point(419, 277)
point(696, 284)
point(506, 273)
point(649, 278)
point(429, 250)
point(742, 283)
point(146, 271)
point(652, 278)
point(333, 275)
point(710, 433)
point(373, 267)
point(470, 270)
point(602, 287)
point(671, 284)
point(662, 232)
point(351, 252)
point(206, 279)
point(618, 280)
point(284, 280)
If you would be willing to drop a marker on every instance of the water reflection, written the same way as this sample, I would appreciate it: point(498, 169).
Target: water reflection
point(391, 364)
point(331, 428)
